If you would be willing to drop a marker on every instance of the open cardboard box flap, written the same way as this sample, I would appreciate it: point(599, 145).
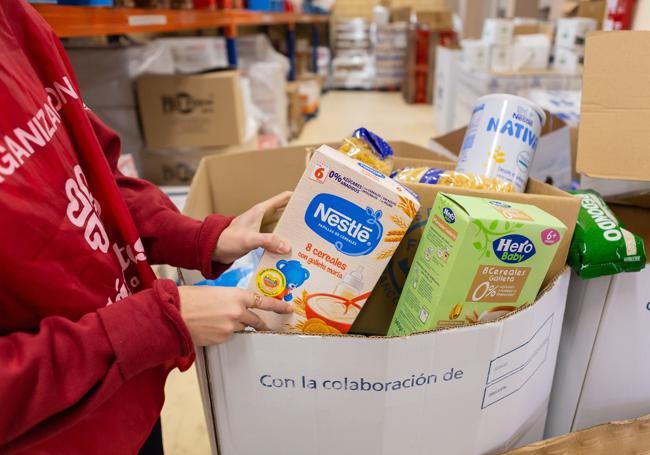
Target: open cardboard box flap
point(613, 136)
point(626, 436)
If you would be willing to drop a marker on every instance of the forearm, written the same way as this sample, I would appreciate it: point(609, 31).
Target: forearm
point(47, 377)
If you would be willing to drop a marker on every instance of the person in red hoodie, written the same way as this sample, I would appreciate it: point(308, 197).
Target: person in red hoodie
point(87, 332)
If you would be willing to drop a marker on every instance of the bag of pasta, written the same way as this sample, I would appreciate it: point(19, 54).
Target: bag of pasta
point(370, 149)
point(435, 176)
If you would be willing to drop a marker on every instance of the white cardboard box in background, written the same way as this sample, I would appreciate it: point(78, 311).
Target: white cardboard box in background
point(444, 88)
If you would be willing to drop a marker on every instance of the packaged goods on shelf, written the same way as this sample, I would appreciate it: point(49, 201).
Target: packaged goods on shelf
point(498, 31)
point(353, 71)
point(571, 32)
point(566, 60)
point(324, 62)
point(309, 88)
point(196, 54)
point(476, 53)
point(389, 50)
point(267, 70)
point(478, 260)
point(501, 58)
point(531, 52)
point(464, 85)
point(106, 73)
point(564, 104)
point(353, 64)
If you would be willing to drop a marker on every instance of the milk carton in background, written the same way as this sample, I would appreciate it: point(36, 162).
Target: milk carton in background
point(572, 32)
point(478, 259)
point(498, 31)
point(344, 222)
point(501, 58)
point(476, 53)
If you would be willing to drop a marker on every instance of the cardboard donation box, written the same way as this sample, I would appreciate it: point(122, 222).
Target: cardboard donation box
point(613, 135)
point(202, 110)
point(603, 359)
point(477, 389)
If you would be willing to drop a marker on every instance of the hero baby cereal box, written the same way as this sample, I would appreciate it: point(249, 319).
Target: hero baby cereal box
point(478, 260)
point(344, 222)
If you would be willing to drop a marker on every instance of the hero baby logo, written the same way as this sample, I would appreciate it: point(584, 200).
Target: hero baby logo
point(513, 248)
point(351, 229)
point(449, 215)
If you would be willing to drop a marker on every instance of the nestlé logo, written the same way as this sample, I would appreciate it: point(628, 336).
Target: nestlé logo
point(351, 229)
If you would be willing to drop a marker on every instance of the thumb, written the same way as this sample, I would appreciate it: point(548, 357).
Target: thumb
point(271, 243)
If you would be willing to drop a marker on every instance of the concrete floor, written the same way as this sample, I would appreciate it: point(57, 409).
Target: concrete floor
point(184, 430)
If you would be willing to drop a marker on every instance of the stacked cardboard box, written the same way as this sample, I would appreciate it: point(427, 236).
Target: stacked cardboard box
point(507, 46)
point(570, 43)
point(457, 87)
point(603, 365)
point(389, 49)
point(353, 65)
point(187, 117)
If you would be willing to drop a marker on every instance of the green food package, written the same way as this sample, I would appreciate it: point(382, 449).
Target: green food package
point(601, 245)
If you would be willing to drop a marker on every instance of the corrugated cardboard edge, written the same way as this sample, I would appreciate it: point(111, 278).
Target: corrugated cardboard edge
point(620, 437)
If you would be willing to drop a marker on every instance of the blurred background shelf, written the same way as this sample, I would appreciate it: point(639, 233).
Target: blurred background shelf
point(70, 21)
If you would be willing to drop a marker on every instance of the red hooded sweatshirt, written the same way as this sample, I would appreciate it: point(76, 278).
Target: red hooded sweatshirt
point(87, 334)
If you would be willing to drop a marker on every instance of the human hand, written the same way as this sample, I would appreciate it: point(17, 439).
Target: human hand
point(213, 313)
point(243, 234)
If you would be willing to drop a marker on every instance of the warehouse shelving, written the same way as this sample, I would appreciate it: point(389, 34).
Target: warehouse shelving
point(75, 21)
point(70, 21)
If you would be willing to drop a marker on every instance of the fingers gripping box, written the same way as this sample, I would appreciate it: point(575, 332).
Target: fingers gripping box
point(478, 260)
point(344, 222)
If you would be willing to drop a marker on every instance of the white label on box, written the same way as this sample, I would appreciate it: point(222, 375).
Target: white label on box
point(511, 371)
point(147, 19)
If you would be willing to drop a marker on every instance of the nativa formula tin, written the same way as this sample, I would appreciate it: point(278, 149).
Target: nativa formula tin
point(501, 139)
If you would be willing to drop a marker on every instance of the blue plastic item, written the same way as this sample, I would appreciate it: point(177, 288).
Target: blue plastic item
point(380, 146)
point(266, 5)
point(240, 272)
